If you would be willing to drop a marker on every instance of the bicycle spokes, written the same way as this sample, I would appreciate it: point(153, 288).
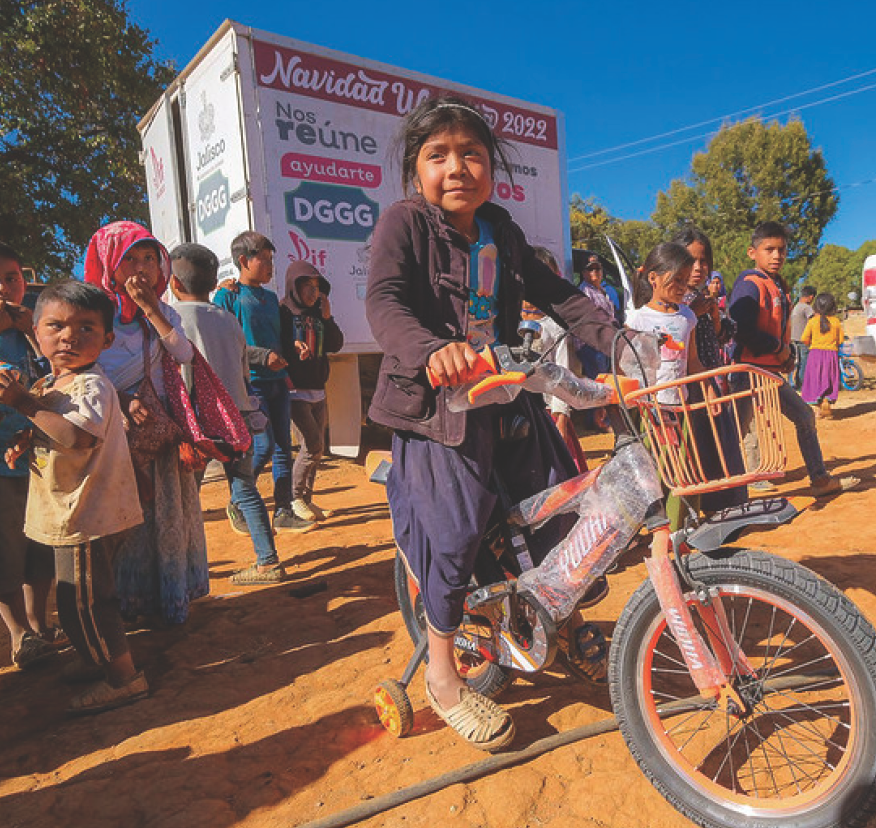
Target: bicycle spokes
point(786, 725)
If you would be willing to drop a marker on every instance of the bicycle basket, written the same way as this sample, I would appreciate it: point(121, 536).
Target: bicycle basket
point(699, 441)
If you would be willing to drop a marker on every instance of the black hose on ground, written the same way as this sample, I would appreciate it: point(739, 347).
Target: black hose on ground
point(469, 773)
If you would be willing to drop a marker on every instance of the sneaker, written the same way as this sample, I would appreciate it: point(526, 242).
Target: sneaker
point(31, 651)
point(238, 522)
point(834, 485)
point(763, 486)
point(318, 512)
point(302, 509)
point(285, 520)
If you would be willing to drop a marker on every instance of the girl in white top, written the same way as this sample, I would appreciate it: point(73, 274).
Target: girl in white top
point(660, 308)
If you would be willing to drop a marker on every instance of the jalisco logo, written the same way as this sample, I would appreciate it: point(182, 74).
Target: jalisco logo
point(213, 202)
point(330, 170)
point(326, 211)
point(210, 153)
point(206, 119)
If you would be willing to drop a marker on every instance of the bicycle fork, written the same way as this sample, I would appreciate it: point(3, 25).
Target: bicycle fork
point(711, 668)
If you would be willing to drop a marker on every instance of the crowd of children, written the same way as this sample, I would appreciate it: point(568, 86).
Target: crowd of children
point(450, 272)
point(119, 529)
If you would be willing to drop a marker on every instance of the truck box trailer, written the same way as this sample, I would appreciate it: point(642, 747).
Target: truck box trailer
point(263, 132)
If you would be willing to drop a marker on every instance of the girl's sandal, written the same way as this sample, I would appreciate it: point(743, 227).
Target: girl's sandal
point(480, 721)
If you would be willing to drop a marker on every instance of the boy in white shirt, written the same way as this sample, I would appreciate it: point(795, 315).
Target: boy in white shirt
point(83, 494)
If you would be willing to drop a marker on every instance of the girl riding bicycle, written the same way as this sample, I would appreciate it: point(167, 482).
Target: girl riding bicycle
point(448, 276)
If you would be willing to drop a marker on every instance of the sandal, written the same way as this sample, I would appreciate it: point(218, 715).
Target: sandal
point(252, 575)
point(588, 652)
point(103, 696)
point(480, 721)
point(31, 651)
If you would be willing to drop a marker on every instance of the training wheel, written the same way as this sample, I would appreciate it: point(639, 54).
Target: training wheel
point(394, 707)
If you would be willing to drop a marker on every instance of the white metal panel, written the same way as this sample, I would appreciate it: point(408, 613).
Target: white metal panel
point(215, 149)
point(159, 157)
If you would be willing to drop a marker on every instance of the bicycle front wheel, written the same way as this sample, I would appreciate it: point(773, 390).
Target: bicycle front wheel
point(803, 751)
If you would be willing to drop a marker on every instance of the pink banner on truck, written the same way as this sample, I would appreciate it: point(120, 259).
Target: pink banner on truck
point(315, 76)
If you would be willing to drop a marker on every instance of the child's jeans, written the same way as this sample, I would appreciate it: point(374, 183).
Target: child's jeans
point(798, 412)
point(275, 442)
point(246, 497)
point(309, 419)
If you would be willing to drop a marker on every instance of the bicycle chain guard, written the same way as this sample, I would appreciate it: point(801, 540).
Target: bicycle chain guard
point(522, 635)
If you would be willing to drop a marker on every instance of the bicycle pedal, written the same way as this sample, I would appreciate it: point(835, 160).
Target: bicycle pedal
point(486, 595)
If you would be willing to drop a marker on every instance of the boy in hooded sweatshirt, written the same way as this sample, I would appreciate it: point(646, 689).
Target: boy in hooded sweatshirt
point(309, 334)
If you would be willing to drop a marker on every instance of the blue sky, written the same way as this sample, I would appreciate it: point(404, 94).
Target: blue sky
point(619, 72)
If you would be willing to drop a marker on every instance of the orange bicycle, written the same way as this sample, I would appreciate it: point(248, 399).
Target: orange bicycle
point(744, 684)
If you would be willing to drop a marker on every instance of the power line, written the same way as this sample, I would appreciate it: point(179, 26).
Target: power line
point(724, 117)
point(691, 138)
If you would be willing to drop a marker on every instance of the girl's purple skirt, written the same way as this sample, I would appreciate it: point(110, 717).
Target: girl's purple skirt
point(822, 378)
point(441, 498)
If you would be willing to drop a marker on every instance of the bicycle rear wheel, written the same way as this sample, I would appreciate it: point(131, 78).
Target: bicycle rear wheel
point(481, 675)
point(851, 375)
point(803, 753)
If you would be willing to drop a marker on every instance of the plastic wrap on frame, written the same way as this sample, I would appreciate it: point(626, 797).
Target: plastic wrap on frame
point(641, 360)
point(547, 378)
point(611, 509)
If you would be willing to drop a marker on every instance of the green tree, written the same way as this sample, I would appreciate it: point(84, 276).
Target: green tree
point(590, 222)
point(753, 172)
point(831, 272)
point(75, 77)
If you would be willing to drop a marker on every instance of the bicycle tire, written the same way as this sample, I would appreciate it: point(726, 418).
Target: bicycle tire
point(851, 375)
point(767, 768)
point(483, 676)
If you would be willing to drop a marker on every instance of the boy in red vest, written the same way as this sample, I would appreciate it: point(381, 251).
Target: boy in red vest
point(761, 308)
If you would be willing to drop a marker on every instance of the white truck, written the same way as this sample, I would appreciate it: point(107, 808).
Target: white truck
point(262, 132)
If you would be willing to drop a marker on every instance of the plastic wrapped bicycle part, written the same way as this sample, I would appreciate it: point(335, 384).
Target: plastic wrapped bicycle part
point(560, 382)
point(641, 359)
point(611, 510)
point(547, 378)
point(457, 396)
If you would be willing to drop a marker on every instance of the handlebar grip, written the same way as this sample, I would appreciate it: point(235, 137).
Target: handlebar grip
point(485, 363)
point(494, 381)
point(620, 385)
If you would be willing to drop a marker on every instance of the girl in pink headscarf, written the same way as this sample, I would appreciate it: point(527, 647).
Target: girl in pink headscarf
point(163, 564)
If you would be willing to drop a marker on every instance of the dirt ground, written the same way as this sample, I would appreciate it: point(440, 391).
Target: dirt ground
point(261, 714)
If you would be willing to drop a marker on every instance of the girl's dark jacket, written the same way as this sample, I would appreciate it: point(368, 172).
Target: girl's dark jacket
point(323, 335)
point(417, 302)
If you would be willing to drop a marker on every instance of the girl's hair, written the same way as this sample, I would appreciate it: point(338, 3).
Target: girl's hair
point(824, 305)
point(668, 258)
point(690, 234)
point(436, 115)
